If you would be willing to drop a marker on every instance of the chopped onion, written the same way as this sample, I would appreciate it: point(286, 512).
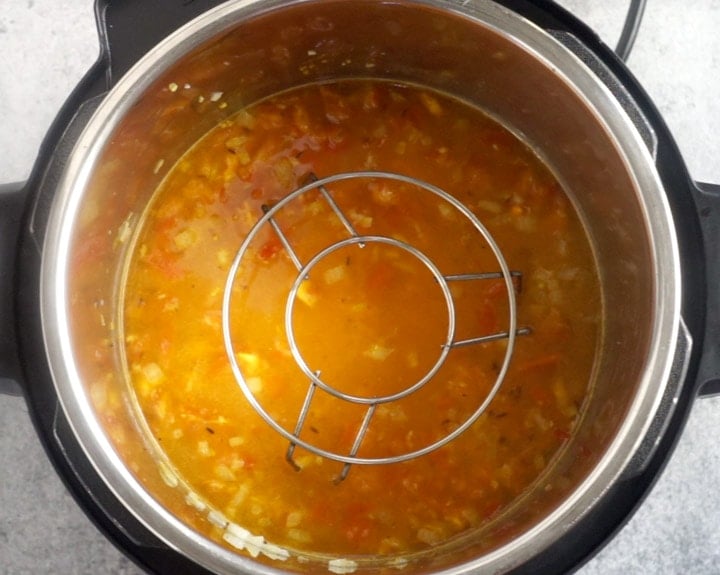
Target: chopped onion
point(342, 566)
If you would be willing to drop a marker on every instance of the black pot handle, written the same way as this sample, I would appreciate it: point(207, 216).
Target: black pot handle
point(12, 204)
point(707, 201)
point(129, 28)
point(126, 31)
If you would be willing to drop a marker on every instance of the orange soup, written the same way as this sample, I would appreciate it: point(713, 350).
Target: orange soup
point(370, 319)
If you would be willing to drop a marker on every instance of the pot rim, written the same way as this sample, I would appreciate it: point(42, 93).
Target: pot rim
point(569, 69)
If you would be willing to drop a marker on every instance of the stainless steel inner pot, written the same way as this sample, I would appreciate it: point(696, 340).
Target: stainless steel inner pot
point(477, 51)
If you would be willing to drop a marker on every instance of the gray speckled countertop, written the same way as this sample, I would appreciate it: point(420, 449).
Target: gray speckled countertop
point(45, 47)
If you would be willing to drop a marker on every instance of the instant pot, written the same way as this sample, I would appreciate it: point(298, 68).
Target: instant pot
point(531, 64)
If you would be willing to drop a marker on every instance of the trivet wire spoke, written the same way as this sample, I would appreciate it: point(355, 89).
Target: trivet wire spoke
point(511, 279)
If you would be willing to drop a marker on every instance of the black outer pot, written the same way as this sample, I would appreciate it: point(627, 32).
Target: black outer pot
point(127, 30)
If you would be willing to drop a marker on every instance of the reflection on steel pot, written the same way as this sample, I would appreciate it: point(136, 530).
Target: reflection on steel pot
point(537, 73)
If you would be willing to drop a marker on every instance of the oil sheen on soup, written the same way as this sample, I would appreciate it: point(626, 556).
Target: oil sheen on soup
point(369, 319)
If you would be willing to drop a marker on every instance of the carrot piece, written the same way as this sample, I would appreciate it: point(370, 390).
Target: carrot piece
point(541, 363)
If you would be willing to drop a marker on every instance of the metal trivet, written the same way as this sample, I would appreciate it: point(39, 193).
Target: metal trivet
point(511, 279)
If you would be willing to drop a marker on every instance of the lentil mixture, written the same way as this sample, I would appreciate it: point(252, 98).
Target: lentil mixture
point(372, 320)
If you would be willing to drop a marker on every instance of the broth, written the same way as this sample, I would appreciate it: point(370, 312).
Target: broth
point(372, 320)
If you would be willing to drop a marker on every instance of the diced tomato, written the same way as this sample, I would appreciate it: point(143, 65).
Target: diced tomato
point(488, 318)
point(562, 434)
point(358, 530)
point(584, 451)
point(336, 110)
point(165, 263)
point(92, 248)
point(491, 509)
point(357, 525)
point(270, 248)
point(371, 99)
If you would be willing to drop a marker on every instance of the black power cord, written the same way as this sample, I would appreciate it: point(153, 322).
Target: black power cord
point(630, 29)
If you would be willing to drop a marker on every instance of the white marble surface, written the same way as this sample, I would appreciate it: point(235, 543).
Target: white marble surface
point(45, 47)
